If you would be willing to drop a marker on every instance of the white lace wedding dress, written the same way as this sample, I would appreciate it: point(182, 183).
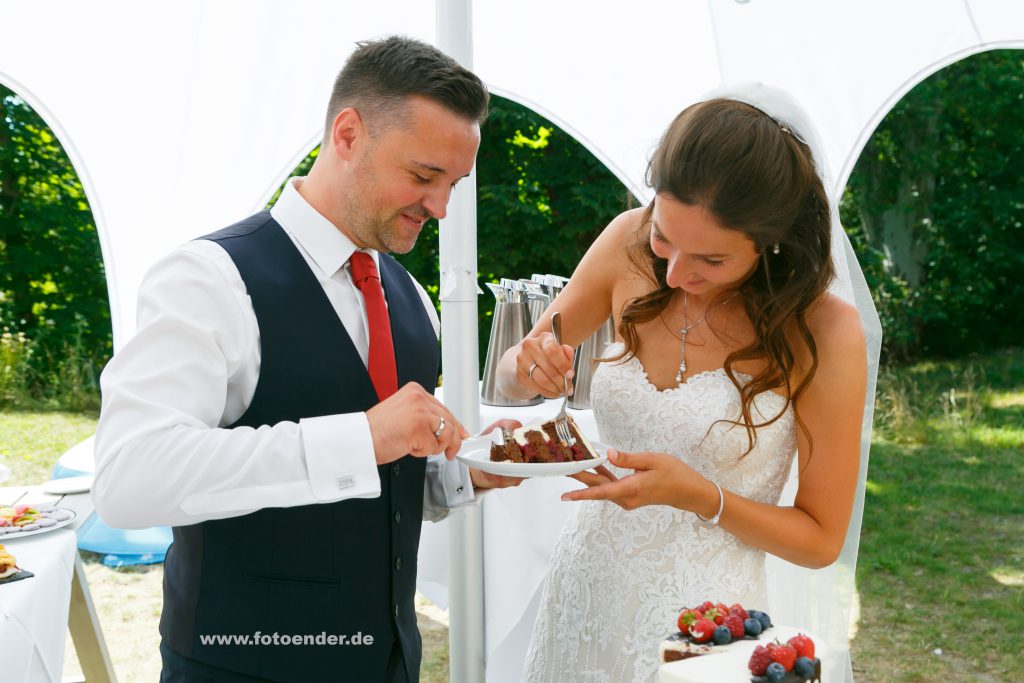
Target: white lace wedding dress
point(618, 579)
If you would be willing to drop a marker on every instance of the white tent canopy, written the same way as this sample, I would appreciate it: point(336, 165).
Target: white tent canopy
point(183, 117)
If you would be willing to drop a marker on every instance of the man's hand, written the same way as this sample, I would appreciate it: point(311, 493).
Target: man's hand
point(483, 480)
point(406, 422)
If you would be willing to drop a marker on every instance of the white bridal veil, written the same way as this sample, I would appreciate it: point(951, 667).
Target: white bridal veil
point(823, 600)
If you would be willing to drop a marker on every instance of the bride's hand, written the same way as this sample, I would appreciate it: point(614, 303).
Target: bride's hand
point(541, 363)
point(600, 475)
point(659, 479)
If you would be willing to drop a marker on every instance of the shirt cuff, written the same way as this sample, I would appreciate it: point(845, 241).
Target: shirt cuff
point(447, 486)
point(339, 456)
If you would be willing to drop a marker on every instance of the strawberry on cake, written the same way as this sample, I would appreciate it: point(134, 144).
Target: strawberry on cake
point(719, 644)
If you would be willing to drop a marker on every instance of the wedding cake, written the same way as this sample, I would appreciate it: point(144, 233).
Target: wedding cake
point(712, 647)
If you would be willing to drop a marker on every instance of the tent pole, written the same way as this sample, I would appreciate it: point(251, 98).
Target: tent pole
point(461, 371)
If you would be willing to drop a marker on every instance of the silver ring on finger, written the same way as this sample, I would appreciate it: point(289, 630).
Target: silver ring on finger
point(529, 373)
point(440, 428)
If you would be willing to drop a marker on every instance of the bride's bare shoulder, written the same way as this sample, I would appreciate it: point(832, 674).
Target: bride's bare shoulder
point(837, 330)
point(831, 316)
point(622, 229)
point(607, 264)
point(610, 250)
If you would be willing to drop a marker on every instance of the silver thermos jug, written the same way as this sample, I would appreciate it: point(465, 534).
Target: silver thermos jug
point(538, 300)
point(509, 325)
point(584, 365)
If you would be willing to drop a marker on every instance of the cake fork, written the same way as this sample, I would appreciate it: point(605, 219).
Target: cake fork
point(562, 419)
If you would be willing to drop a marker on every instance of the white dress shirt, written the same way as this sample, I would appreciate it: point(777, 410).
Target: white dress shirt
point(163, 455)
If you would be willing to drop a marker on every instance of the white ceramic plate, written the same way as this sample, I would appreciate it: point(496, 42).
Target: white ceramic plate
point(7, 535)
point(476, 453)
point(61, 487)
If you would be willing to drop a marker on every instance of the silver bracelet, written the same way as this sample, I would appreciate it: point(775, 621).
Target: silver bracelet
point(721, 505)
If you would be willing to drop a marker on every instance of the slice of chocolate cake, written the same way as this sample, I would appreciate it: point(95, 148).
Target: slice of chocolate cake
point(540, 444)
point(506, 452)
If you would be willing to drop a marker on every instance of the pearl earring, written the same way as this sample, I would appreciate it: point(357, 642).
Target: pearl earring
point(776, 249)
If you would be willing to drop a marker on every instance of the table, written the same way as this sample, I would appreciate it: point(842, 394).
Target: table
point(35, 612)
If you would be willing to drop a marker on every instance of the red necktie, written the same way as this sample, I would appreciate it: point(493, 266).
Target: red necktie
point(383, 371)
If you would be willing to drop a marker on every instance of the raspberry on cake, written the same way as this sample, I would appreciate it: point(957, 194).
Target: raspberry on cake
point(540, 444)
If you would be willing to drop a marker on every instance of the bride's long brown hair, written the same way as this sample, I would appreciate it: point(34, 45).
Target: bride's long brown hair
point(756, 177)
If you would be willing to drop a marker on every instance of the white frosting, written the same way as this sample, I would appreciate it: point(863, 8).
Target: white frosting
point(728, 663)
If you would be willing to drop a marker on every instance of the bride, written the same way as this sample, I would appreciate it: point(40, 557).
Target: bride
point(731, 359)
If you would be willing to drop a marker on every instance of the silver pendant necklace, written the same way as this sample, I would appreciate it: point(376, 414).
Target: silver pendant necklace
point(686, 328)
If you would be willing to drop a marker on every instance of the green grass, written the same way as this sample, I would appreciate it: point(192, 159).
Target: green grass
point(942, 547)
point(31, 442)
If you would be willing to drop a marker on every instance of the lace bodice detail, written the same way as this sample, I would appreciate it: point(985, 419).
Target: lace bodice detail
point(618, 579)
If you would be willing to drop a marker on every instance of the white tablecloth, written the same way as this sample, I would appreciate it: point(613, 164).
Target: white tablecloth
point(34, 612)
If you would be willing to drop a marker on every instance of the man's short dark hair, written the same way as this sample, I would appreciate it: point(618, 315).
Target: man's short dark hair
point(381, 74)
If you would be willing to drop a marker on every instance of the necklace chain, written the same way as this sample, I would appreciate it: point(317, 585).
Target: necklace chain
point(686, 328)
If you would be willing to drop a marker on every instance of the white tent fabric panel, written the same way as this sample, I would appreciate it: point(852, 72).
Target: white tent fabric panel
point(183, 117)
point(997, 21)
point(620, 79)
point(614, 80)
point(840, 60)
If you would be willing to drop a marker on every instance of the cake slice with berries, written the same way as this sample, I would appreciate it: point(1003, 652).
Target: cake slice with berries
point(540, 444)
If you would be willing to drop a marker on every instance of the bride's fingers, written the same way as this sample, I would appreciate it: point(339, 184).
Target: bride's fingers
point(503, 424)
point(591, 478)
point(554, 371)
point(605, 472)
point(607, 491)
point(540, 376)
point(631, 461)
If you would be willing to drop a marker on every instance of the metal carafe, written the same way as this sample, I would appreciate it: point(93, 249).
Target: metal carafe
point(584, 365)
point(509, 325)
point(550, 284)
point(538, 300)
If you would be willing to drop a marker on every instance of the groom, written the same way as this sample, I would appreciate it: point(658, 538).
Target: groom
point(276, 406)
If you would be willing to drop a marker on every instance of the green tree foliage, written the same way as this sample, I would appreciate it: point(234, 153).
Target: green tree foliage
point(52, 285)
point(935, 206)
point(542, 198)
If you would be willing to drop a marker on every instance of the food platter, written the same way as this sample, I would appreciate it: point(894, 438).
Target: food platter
point(55, 518)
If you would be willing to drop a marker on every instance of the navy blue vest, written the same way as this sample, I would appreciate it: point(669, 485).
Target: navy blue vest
point(336, 569)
